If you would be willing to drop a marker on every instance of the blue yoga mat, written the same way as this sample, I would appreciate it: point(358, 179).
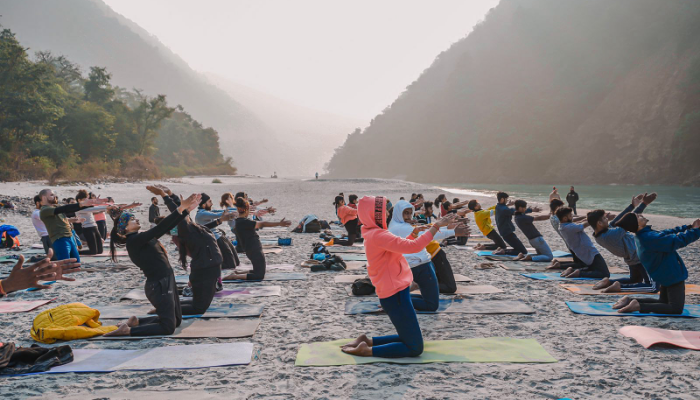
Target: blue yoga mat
point(555, 253)
point(554, 276)
point(605, 309)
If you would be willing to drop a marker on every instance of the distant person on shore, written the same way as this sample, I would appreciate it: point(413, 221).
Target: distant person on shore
point(657, 251)
point(316, 175)
point(571, 199)
point(153, 212)
point(482, 218)
point(592, 263)
point(554, 195)
point(504, 222)
point(622, 244)
point(526, 224)
point(391, 276)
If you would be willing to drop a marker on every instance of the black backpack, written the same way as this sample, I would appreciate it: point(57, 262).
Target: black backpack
point(313, 226)
point(362, 287)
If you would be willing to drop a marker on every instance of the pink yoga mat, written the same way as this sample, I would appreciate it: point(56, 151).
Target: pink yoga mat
point(648, 337)
point(21, 306)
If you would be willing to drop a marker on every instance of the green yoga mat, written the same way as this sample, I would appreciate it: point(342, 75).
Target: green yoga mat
point(491, 350)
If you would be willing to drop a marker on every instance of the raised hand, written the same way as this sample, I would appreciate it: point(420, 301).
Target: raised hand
point(463, 211)
point(696, 224)
point(93, 202)
point(65, 267)
point(648, 199)
point(271, 210)
point(190, 203)
point(420, 228)
point(462, 230)
point(637, 200)
point(228, 216)
point(156, 190)
point(444, 221)
point(165, 189)
point(536, 209)
point(285, 223)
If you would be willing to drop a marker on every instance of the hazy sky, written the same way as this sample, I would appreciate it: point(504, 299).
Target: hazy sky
point(351, 58)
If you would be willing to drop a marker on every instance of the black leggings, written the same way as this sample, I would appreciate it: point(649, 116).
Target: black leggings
point(229, 253)
point(497, 241)
point(203, 282)
point(671, 300)
point(351, 227)
point(93, 240)
point(257, 258)
point(163, 296)
point(515, 243)
point(102, 228)
point(597, 269)
point(443, 271)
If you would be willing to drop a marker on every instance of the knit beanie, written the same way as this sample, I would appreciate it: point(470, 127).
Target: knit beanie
point(629, 223)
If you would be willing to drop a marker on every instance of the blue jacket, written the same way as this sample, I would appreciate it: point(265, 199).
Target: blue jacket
point(657, 252)
point(504, 218)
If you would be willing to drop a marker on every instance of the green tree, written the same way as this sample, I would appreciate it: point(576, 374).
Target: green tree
point(147, 117)
point(97, 86)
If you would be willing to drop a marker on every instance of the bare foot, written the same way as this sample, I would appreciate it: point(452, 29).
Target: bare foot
point(362, 350)
point(360, 339)
point(631, 307)
point(133, 321)
point(519, 257)
point(574, 274)
point(479, 247)
point(566, 272)
point(499, 251)
point(602, 284)
point(234, 277)
point(622, 303)
point(123, 330)
point(614, 288)
point(554, 265)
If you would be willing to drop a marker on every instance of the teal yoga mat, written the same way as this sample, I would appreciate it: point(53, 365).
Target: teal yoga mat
point(605, 309)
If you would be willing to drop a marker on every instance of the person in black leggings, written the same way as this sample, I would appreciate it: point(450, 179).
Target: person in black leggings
point(198, 242)
point(250, 241)
point(151, 257)
point(348, 217)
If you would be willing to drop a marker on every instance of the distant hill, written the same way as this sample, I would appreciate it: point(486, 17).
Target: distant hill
point(309, 134)
point(589, 91)
point(89, 33)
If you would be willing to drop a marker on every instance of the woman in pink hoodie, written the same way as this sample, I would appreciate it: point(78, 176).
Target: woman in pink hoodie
point(392, 277)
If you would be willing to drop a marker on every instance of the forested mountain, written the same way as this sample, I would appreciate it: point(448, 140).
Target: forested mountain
point(590, 91)
point(89, 33)
point(57, 123)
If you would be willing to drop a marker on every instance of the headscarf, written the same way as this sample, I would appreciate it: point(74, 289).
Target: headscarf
point(123, 221)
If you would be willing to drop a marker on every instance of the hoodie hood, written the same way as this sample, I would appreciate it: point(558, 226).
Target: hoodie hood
point(399, 208)
point(372, 212)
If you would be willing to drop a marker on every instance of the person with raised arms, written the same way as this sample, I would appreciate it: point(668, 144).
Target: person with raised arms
point(57, 225)
point(658, 252)
point(504, 222)
point(592, 264)
point(482, 218)
point(147, 253)
point(246, 232)
point(205, 215)
point(391, 276)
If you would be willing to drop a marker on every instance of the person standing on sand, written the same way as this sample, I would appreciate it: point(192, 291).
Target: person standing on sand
point(153, 212)
point(572, 198)
point(316, 175)
point(391, 276)
point(554, 194)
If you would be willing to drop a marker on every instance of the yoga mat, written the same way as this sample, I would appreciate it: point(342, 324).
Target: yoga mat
point(346, 250)
point(478, 350)
point(587, 290)
point(555, 276)
point(93, 259)
point(202, 328)
point(134, 294)
point(124, 311)
point(354, 257)
point(461, 289)
point(462, 278)
point(279, 267)
point(605, 309)
point(337, 246)
point(276, 250)
point(106, 253)
point(103, 268)
point(452, 306)
point(555, 253)
point(542, 267)
point(648, 337)
point(168, 357)
point(9, 306)
point(352, 278)
point(355, 265)
point(248, 292)
point(284, 276)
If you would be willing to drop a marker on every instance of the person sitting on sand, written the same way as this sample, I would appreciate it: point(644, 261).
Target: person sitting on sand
point(622, 244)
point(348, 217)
point(526, 224)
point(60, 230)
point(482, 218)
point(425, 273)
point(658, 252)
point(592, 263)
point(147, 253)
point(21, 277)
point(555, 205)
point(205, 215)
point(391, 276)
point(250, 241)
point(504, 222)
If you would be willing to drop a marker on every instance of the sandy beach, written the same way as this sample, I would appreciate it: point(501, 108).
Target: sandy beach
point(595, 361)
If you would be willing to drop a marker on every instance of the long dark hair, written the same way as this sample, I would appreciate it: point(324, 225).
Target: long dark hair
point(117, 240)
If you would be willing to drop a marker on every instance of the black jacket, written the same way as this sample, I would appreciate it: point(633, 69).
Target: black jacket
point(572, 198)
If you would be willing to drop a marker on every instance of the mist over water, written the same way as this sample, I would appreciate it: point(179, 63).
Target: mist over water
point(673, 200)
